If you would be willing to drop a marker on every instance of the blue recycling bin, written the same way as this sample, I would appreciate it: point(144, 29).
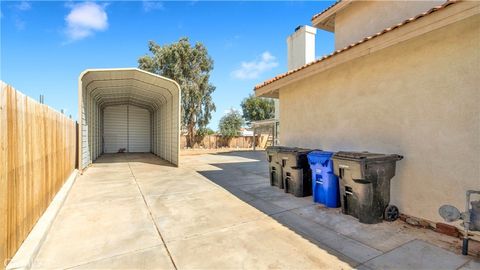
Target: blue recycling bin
point(324, 182)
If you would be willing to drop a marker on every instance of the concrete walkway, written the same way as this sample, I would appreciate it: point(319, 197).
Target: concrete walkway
point(217, 211)
point(136, 211)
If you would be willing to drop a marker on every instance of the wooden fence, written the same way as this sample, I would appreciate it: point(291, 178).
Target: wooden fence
point(37, 154)
point(217, 141)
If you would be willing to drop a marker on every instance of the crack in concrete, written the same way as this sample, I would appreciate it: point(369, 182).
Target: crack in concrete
point(151, 216)
point(114, 256)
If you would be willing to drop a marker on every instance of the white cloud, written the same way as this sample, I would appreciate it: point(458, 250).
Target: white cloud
point(19, 23)
point(18, 9)
point(253, 69)
point(23, 6)
point(84, 19)
point(152, 5)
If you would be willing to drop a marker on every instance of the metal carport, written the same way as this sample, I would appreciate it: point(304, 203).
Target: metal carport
point(144, 105)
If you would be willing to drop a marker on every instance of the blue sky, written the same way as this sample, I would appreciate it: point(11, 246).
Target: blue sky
point(46, 44)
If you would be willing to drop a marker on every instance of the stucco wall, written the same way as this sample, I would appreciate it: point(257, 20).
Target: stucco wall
point(419, 98)
point(365, 18)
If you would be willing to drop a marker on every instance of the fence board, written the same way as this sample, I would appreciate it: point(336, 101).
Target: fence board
point(3, 176)
point(218, 141)
point(37, 154)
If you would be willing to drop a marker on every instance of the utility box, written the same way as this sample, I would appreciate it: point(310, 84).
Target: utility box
point(365, 185)
point(297, 176)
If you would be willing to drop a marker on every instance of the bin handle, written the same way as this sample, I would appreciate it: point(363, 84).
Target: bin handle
point(361, 181)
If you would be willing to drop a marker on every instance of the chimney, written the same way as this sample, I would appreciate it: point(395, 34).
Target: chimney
point(301, 46)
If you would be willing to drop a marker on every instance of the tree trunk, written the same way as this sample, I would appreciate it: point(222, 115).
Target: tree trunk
point(191, 136)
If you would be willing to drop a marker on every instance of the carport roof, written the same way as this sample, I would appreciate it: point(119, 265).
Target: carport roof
point(133, 86)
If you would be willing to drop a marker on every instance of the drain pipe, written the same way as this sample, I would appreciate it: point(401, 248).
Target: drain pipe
point(466, 221)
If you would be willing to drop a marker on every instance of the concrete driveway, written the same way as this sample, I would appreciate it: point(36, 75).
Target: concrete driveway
point(137, 211)
point(217, 211)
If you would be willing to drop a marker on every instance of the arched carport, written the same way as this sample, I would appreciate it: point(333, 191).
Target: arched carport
point(128, 110)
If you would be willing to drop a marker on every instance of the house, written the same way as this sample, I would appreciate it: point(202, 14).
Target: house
point(246, 132)
point(404, 78)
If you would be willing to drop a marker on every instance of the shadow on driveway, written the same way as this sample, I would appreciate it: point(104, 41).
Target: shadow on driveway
point(249, 181)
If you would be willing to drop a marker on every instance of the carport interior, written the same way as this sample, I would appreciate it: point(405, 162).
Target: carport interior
point(128, 110)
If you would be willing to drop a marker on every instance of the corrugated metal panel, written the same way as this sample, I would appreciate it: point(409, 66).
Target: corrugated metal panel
point(100, 89)
point(85, 147)
point(138, 129)
point(115, 128)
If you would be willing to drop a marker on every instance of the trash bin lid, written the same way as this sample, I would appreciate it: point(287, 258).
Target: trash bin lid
point(275, 148)
point(318, 156)
point(294, 150)
point(302, 151)
point(366, 156)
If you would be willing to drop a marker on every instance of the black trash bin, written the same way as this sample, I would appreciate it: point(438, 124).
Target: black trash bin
point(296, 172)
point(274, 166)
point(365, 185)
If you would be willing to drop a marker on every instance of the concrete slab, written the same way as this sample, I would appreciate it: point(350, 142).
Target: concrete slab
point(356, 251)
point(167, 186)
point(98, 174)
point(93, 193)
point(471, 265)
point(276, 196)
point(142, 172)
point(217, 212)
point(362, 267)
point(242, 195)
point(151, 258)
point(199, 213)
point(225, 179)
point(84, 233)
point(262, 190)
point(380, 236)
point(266, 207)
point(289, 202)
point(261, 244)
point(417, 254)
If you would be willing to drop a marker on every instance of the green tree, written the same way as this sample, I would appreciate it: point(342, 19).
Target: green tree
point(190, 67)
point(230, 124)
point(201, 133)
point(256, 108)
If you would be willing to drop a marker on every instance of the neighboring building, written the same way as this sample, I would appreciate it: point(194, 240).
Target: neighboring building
point(268, 127)
point(246, 132)
point(405, 79)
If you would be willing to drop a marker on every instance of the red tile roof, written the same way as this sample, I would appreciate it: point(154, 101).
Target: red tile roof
point(389, 29)
point(316, 15)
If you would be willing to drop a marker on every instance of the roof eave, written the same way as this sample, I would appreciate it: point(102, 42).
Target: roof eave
point(326, 19)
point(462, 10)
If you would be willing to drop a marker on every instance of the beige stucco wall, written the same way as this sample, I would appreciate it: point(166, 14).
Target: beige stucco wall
point(365, 18)
point(419, 98)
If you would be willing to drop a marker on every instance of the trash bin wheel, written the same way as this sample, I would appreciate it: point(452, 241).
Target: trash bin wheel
point(391, 213)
